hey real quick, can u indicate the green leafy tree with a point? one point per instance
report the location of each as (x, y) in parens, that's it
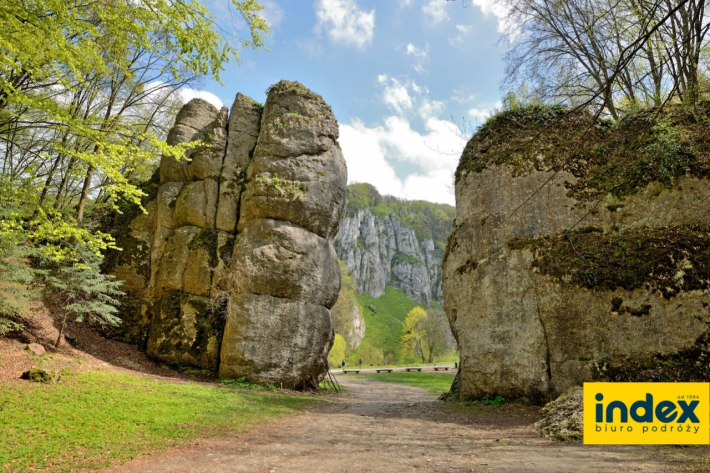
(337, 352)
(425, 334)
(78, 88)
(83, 292)
(412, 339)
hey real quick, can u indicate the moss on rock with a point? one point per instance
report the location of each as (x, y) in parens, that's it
(668, 260)
(689, 365)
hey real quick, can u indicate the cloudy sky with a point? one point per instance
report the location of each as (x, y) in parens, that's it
(402, 77)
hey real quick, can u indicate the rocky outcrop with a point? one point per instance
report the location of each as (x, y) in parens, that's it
(563, 418)
(381, 251)
(233, 263)
(348, 318)
(552, 279)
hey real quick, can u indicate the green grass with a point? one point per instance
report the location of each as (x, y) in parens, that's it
(92, 420)
(436, 383)
(383, 328)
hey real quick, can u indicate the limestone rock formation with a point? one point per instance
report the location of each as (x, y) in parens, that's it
(233, 266)
(348, 319)
(552, 279)
(285, 275)
(382, 250)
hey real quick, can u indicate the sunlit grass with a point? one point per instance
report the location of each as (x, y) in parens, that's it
(91, 420)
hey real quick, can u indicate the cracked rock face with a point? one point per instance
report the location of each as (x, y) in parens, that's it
(234, 266)
(285, 274)
(527, 335)
(381, 251)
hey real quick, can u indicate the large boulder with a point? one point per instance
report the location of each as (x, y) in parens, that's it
(571, 263)
(563, 418)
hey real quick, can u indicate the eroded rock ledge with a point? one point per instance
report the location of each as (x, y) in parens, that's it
(233, 267)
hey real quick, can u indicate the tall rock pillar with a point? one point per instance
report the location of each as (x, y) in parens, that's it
(284, 274)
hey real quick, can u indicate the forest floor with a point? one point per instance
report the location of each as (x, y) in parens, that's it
(383, 427)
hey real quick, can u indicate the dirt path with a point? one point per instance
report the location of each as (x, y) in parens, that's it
(382, 427)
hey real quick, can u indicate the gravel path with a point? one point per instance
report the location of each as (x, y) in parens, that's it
(382, 427)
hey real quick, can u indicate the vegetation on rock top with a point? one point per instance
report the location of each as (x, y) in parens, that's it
(618, 158)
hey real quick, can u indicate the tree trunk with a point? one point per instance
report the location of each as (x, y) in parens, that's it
(61, 330)
(431, 353)
(84, 194)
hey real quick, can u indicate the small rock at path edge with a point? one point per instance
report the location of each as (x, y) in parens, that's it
(36, 349)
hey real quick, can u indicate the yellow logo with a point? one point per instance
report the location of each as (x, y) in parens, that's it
(646, 413)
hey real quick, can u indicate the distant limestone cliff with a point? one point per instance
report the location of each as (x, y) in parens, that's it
(384, 241)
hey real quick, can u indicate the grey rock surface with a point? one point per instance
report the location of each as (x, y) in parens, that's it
(285, 275)
(381, 251)
(525, 335)
(241, 233)
(563, 418)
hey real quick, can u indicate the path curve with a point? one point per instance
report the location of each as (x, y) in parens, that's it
(383, 427)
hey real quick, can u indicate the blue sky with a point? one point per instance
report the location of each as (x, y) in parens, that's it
(399, 74)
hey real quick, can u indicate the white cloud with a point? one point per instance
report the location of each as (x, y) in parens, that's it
(460, 95)
(407, 99)
(431, 108)
(415, 51)
(272, 13)
(436, 10)
(396, 95)
(498, 9)
(420, 56)
(371, 151)
(405, 3)
(479, 114)
(345, 22)
(461, 32)
(188, 94)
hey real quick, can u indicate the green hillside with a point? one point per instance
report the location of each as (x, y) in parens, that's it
(383, 326)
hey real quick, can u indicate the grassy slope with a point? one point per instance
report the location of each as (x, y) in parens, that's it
(437, 383)
(384, 329)
(385, 326)
(91, 420)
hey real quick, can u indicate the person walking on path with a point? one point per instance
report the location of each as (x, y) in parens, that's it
(360, 361)
(343, 364)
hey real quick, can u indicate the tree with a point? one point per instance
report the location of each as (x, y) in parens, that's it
(81, 290)
(87, 92)
(618, 54)
(337, 352)
(425, 334)
(83, 85)
(412, 339)
(435, 334)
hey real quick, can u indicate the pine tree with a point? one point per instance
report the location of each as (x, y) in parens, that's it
(83, 291)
